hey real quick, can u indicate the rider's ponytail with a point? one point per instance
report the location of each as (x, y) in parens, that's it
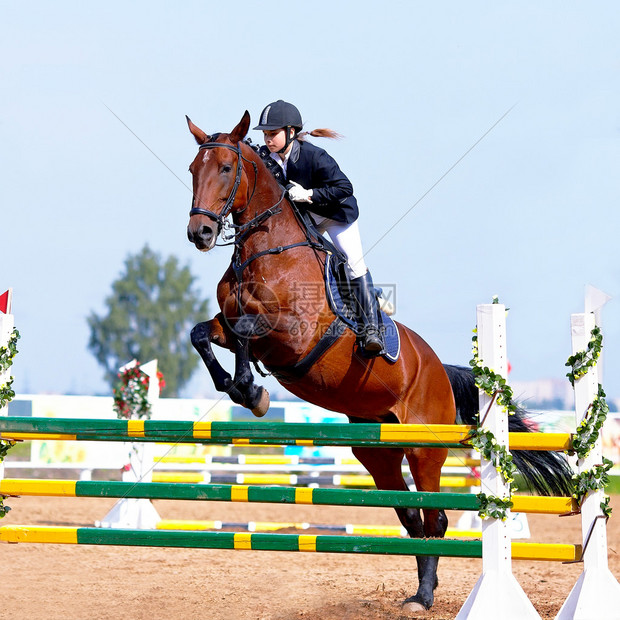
(320, 133)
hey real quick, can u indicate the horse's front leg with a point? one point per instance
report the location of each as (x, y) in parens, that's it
(202, 336)
(241, 389)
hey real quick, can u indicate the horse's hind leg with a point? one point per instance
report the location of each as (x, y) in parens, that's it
(425, 465)
(385, 466)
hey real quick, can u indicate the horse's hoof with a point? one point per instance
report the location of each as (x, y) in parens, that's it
(263, 404)
(412, 607)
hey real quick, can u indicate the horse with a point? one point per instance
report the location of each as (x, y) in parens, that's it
(270, 312)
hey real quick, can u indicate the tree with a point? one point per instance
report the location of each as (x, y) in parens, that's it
(151, 310)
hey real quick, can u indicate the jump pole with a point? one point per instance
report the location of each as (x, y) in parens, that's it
(497, 591)
(596, 594)
(366, 435)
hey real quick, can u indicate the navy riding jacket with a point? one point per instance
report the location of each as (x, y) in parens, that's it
(313, 168)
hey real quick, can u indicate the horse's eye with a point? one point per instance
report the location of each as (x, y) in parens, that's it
(225, 169)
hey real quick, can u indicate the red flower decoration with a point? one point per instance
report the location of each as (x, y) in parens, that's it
(131, 393)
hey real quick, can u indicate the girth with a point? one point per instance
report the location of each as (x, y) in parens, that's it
(289, 374)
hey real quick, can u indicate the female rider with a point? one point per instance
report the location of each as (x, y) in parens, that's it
(317, 185)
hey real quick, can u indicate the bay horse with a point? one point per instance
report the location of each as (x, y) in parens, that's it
(269, 312)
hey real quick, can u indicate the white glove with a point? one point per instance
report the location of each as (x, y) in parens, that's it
(298, 194)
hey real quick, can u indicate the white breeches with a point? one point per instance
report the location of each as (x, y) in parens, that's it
(346, 237)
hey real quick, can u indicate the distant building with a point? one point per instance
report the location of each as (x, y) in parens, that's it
(550, 394)
(544, 393)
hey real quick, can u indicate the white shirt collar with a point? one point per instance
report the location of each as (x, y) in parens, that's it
(283, 162)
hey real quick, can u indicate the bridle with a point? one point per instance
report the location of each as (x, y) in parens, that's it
(221, 217)
(240, 230)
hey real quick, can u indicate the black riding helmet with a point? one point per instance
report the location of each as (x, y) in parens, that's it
(280, 115)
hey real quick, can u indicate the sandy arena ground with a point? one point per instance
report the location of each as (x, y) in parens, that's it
(90, 582)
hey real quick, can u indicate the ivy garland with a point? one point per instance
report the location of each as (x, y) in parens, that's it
(485, 443)
(7, 394)
(494, 507)
(131, 394)
(582, 361)
(3, 509)
(495, 386)
(593, 480)
(5, 446)
(589, 429)
(7, 353)
(605, 507)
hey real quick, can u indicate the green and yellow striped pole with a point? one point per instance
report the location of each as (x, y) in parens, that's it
(277, 542)
(274, 495)
(261, 433)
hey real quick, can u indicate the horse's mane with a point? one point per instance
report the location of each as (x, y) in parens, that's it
(320, 133)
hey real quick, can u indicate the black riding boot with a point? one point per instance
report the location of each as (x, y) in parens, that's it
(364, 293)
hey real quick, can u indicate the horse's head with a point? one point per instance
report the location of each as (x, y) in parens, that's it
(220, 183)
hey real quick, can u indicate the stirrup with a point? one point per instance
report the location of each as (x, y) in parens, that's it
(372, 343)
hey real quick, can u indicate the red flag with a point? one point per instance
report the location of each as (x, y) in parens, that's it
(5, 302)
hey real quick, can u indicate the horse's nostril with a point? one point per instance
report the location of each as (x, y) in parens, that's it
(201, 237)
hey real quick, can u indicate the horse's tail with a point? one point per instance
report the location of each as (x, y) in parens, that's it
(545, 472)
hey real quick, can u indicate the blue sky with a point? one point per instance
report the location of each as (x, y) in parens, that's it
(530, 214)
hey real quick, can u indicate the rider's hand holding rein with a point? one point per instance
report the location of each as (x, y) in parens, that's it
(298, 194)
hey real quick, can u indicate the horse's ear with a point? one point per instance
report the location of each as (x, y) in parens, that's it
(241, 130)
(199, 134)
